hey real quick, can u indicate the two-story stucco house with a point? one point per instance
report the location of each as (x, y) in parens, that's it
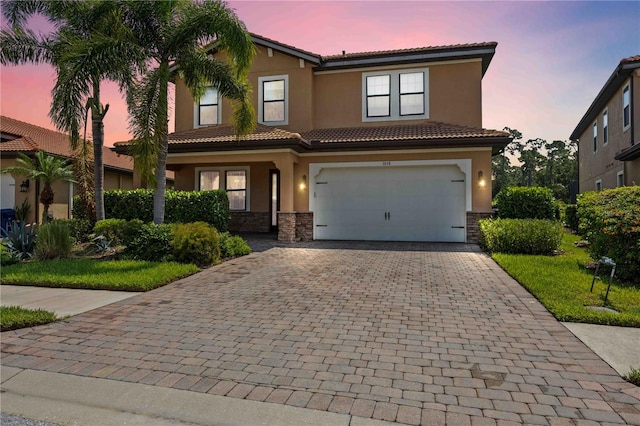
(608, 135)
(361, 146)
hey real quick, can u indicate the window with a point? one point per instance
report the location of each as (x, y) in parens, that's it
(207, 113)
(605, 127)
(273, 105)
(412, 93)
(395, 95)
(234, 180)
(595, 137)
(620, 178)
(626, 108)
(378, 96)
(599, 185)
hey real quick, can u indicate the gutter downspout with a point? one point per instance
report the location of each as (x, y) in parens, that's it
(37, 202)
(632, 112)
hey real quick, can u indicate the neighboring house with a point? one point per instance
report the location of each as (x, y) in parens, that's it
(358, 146)
(18, 136)
(608, 134)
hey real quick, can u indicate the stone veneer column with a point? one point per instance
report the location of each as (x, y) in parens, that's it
(473, 228)
(295, 226)
(304, 226)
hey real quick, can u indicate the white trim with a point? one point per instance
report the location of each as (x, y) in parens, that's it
(394, 95)
(605, 127)
(598, 183)
(619, 175)
(301, 62)
(397, 67)
(464, 164)
(262, 80)
(196, 112)
(223, 180)
(628, 88)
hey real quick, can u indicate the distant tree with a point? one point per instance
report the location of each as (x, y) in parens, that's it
(45, 168)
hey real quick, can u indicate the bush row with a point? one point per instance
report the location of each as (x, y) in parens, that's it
(610, 221)
(526, 203)
(211, 207)
(520, 236)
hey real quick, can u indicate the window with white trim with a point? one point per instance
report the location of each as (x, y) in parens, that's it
(620, 178)
(234, 180)
(626, 108)
(599, 185)
(595, 137)
(605, 127)
(207, 110)
(395, 95)
(273, 100)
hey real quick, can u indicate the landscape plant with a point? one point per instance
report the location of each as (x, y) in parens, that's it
(197, 243)
(153, 243)
(111, 229)
(520, 236)
(20, 239)
(526, 203)
(233, 246)
(54, 241)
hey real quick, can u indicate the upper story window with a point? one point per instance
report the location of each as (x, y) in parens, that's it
(595, 137)
(395, 95)
(273, 103)
(626, 108)
(605, 127)
(207, 110)
(233, 180)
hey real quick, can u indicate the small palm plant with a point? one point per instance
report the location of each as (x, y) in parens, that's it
(46, 168)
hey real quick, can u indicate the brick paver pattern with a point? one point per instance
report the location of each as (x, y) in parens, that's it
(414, 333)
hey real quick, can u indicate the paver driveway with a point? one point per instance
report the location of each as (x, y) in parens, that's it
(413, 333)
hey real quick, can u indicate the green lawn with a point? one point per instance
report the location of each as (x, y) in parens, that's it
(561, 284)
(122, 275)
(14, 317)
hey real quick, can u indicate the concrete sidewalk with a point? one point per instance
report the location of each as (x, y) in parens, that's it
(67, 399)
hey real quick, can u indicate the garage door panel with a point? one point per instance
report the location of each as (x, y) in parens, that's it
(416, 203)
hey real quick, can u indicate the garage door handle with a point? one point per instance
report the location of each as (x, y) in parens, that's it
(458, 227)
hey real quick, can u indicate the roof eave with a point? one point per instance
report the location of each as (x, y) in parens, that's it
(289, 50)
(619, 75)
(238, 145)
(629, 154)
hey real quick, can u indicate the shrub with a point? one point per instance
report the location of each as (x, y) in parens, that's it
(520, 236)
(131, 230)
(197, 243)
(610, 221)
(54, 241)
(233, 246)
(525, 203)
(111, 229)
(8, 258)
(211, 207)
(571, 217)
(151, 244)
(79, 229)
(20, 239)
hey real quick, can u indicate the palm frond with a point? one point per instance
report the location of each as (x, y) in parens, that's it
(20, 46)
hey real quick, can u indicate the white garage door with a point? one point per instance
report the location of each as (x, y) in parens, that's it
(407, 203)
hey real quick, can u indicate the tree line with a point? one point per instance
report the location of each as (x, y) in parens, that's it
(552, 165)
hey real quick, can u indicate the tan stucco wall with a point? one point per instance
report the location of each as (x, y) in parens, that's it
(115, 180)
(602, 164)
(454, 96)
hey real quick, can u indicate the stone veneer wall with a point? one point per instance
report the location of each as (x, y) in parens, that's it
(295, 226)
(473, 228)
(250, 222)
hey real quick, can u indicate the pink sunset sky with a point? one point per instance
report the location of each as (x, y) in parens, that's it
(551, 61)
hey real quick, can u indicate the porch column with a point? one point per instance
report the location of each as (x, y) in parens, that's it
(286, 215)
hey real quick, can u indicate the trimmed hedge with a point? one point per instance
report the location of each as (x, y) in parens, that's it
(571, 217)
(211, 207)
(111, 229)
(526, 202)
(151, 243)
(520, 236)
(610, 221)
(196, 242)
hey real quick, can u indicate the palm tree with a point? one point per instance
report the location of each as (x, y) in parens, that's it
(174, 34)
(88, 45)
(46, 168)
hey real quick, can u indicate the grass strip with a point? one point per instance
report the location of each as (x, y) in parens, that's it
(14, 317)
(561, 283)
(121, 275)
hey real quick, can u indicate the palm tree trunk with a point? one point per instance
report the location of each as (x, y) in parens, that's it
(97, 129)
(163, 141)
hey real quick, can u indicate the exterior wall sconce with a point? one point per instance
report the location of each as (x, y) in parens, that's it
(303, 183)
(24, 186)
(482, 182)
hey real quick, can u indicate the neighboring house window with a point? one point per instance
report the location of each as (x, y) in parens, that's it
(236, 187)
(395, 95)
(273, 106)
(233, 180)
(412, 93)
(599, 185)
(595, 137)
(605, 127)
(620, 178)
(626, 108)
(378, 96)
(208, 111)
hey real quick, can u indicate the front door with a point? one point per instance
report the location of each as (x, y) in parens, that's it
(274, 198)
